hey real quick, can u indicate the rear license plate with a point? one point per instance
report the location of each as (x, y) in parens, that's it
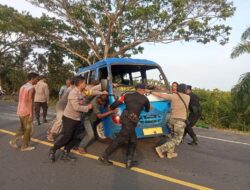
(152, 131)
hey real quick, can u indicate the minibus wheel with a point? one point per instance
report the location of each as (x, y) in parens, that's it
(99, 133)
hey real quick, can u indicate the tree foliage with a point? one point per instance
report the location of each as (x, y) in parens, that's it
(20, 36)
(241, 93)
(218, 110)
(15, 46)
(14, 32)
(58, 70)
(117, 28)
(243, 46)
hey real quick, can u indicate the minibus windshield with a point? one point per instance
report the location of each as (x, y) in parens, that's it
(125, 77)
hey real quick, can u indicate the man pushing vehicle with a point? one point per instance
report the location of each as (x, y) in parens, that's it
(135, 103)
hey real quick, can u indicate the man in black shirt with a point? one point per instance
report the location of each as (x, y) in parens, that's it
(194, 115)
(135, 103)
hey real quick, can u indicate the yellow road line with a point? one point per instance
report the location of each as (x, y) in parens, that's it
(136, 169)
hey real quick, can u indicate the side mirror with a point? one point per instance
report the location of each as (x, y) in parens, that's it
(104, 84)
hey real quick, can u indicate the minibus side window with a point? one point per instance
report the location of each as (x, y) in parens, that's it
(103, 73)
(92, 77)
(86, 77)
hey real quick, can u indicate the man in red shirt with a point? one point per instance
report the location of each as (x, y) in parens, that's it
(25, 113)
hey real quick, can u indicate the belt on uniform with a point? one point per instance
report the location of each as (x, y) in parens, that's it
(131, 116)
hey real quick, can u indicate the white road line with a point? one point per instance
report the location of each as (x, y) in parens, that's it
(224, 140)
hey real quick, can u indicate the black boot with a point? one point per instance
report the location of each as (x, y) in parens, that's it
(44, 119)
(105, 161)
(131, 163)
(52, 155)
(38, 122)
(67, 156)
(194, 141)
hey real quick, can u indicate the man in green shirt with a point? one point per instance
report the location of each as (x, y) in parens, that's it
(90, 119)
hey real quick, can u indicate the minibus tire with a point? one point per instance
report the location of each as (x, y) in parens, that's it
(100, 137)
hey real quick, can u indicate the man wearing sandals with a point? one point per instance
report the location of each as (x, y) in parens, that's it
(25, 113)
(180, 102)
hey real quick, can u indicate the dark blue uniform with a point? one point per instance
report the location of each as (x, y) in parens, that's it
(194, 115)
(135, 103)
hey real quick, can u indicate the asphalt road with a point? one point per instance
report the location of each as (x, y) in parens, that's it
(220, 161)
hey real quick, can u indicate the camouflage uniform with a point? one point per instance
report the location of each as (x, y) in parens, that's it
(177, 129)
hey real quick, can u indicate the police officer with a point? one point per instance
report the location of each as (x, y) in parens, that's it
(135, 103)
(194, 115)
(70, 121)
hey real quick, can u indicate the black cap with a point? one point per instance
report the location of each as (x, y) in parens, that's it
(140, 86)
(182, 88)
(189, 87)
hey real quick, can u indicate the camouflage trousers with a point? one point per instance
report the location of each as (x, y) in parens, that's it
(177, 130)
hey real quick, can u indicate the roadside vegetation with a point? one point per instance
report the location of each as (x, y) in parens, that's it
(219, 109)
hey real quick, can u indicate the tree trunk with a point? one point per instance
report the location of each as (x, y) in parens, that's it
(106, 51)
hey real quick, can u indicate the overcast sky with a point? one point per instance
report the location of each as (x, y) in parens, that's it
(203, 66)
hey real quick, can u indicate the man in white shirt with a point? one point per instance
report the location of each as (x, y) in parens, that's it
(41, 99)
(64, 88)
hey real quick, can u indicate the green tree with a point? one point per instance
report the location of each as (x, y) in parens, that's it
(117, 28)
(241, 92)
(20, 36)
(243, 46)
(219, 110)
(12, 68)
(41, 63)
(13, 30)
(216, 107)
(241, 98)
(15, 45)
(58, 70)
